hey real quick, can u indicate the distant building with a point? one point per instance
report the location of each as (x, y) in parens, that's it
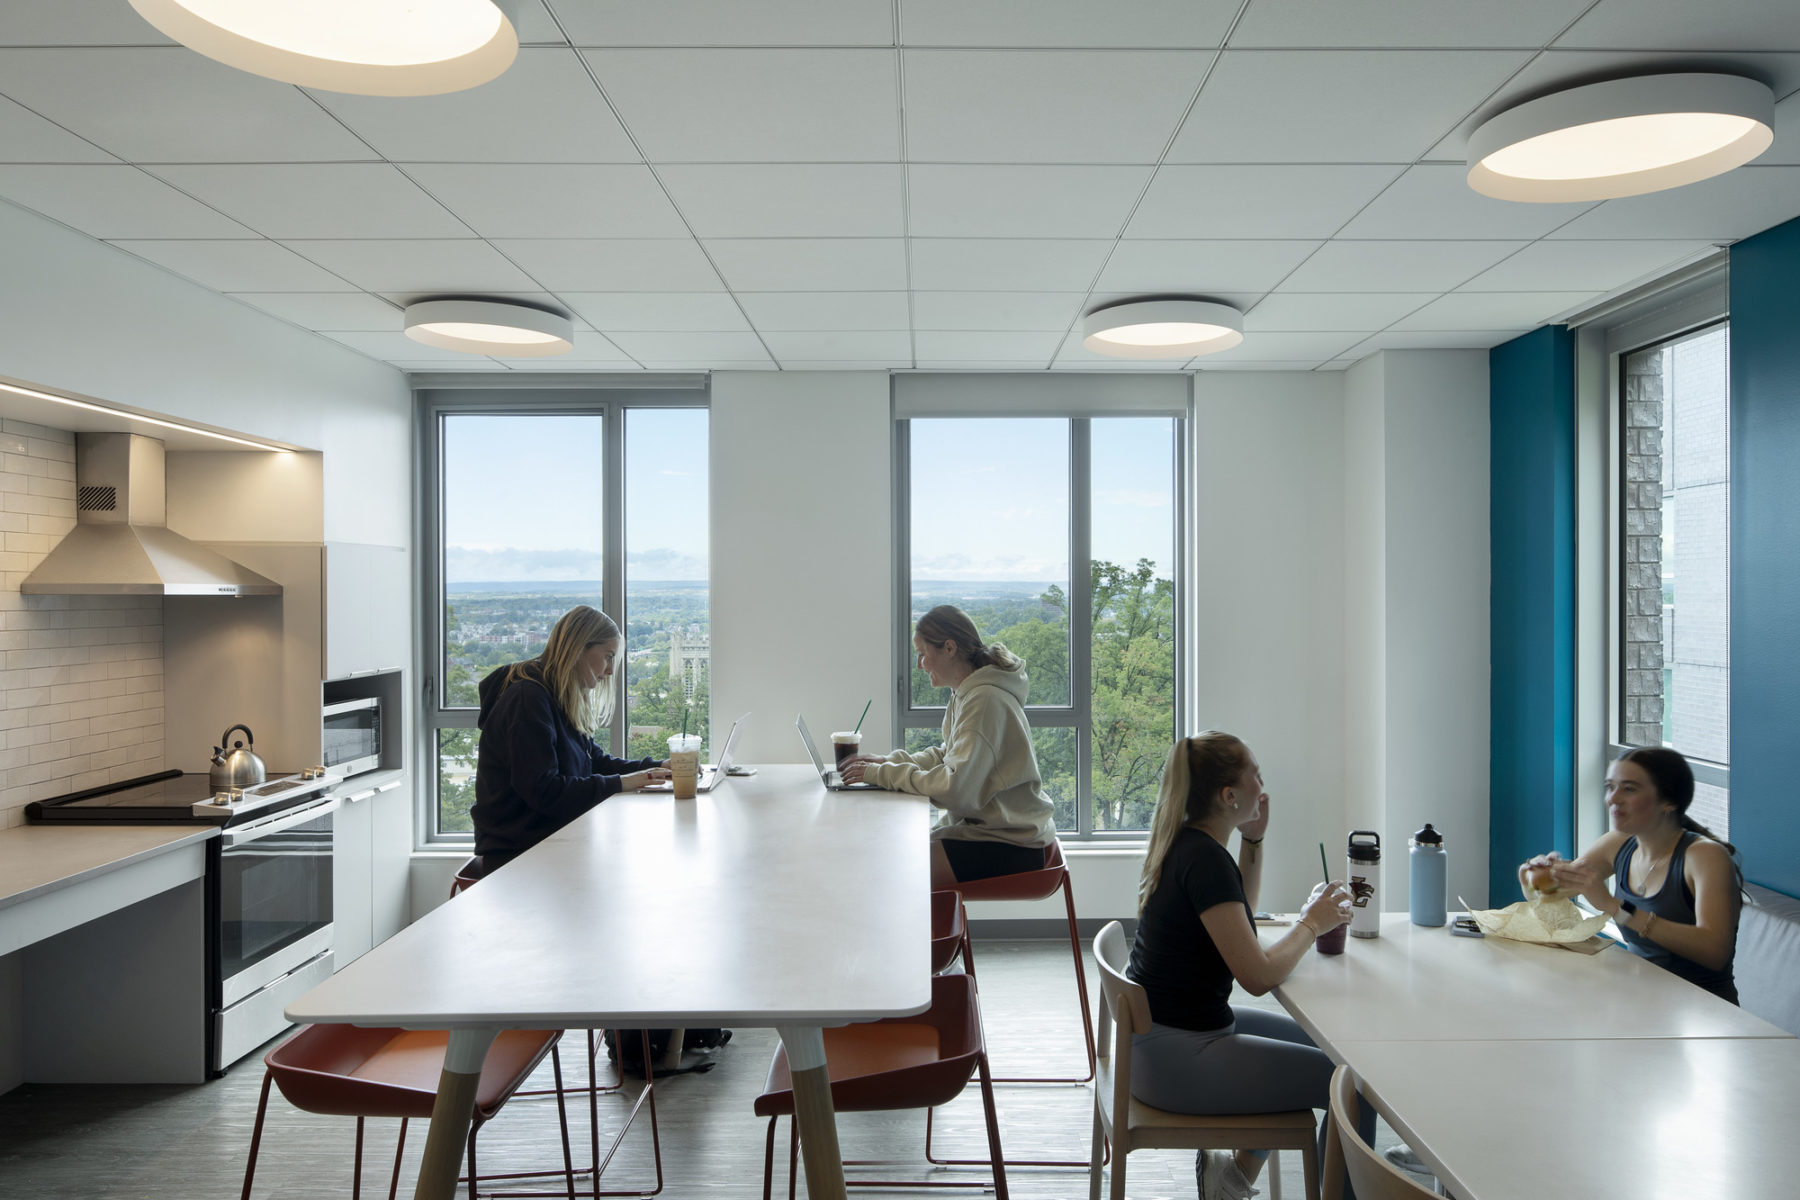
(690, 655)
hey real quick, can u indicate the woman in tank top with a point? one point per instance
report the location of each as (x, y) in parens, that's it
(1678, 889)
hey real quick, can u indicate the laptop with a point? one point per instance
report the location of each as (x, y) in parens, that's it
(710, 773)
(828, 776)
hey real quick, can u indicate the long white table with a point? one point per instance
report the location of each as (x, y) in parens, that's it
(767, 902)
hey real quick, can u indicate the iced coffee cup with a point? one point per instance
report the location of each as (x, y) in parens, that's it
(1333, 942)
(684, 764)
(845, 746)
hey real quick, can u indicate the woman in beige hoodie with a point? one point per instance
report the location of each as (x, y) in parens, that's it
(992, 816)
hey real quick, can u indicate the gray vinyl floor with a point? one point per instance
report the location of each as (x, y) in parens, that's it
(190, 1143)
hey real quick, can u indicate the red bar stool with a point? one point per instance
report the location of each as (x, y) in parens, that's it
(901, 1062)
(949, 931)
(346, 1071)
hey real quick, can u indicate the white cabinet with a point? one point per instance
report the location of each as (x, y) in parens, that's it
(368, 609)
(372, 841)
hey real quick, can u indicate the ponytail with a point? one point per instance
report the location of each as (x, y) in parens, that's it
(1197, 770)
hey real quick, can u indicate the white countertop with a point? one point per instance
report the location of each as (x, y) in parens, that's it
(37, 859)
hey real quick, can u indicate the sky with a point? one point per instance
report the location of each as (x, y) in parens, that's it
(990, 498)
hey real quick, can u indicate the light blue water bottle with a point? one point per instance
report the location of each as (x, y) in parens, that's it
(1429, 877)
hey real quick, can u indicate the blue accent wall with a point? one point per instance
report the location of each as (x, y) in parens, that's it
(1531, 522)
(1765, 555)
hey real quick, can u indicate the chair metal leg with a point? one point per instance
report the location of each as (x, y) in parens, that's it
(769, 1158)
(1087, 1016)
(793, 1155)
(993, 1127)
(356, 1179)
(262, 1109)
(399, 1154)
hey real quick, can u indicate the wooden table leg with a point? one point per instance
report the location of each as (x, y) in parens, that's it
(813, 1114)
(451, 1113)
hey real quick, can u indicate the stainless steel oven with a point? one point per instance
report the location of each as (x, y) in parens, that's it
(272, 921)
(352, 736)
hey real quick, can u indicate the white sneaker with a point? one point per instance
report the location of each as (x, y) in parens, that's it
(1219, 1178)
(1403, 1157)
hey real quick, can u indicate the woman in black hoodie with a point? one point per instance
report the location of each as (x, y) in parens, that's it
(538, 767)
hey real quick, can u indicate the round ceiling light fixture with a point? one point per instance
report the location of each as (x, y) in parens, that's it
(1623, 137)
(1162, 329)
(497, 327)
(367, 47)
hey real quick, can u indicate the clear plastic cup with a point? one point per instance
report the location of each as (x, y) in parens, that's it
(845, 745)
(1333, 942)
(684, 764)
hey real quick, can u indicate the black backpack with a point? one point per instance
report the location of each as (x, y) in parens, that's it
(626, 1047)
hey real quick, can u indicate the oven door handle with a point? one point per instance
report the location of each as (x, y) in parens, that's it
(249, 833)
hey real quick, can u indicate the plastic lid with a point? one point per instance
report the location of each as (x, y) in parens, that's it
(1365, 851)
(1428, 836)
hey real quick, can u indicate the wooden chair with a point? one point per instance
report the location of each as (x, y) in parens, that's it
(347, 1071)
(1372, 1176)
(1134, 1125)
(901, 1062)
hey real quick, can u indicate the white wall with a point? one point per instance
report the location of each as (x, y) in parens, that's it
(801, 556)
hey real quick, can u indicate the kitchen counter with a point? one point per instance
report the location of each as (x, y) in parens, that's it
(38, 859)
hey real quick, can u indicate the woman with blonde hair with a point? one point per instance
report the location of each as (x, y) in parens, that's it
(1196, 937)
(992, 818)
(538, 766)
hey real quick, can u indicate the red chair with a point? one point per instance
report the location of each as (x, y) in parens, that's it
(467, 876)
(949, 930)
(346, 1071)
(901, 1062)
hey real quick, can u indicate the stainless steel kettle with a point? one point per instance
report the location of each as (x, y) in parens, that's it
(238, 767)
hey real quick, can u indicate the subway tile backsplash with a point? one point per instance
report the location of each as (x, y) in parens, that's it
(81, 677)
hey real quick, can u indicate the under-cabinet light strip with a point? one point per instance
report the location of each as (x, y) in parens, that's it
(34, 394)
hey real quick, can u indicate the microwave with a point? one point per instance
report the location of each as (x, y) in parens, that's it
(352, 741)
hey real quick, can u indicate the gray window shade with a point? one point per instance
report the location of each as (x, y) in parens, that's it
(1042, 394)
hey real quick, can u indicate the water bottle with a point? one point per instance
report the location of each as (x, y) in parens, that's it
(1428, 877)
(1365, 883)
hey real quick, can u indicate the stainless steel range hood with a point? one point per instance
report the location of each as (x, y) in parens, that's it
(120, 545)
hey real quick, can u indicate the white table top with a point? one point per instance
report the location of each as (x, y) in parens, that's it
(768, 901)
(1417, 984)
(1655, 1120)
(35, 859)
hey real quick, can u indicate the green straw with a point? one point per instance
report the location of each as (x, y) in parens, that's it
(1322, 866)
(688, 711)
(865, 712)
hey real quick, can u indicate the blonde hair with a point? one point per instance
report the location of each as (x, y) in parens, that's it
(575, 633)
(948, 623)
(1198, 769)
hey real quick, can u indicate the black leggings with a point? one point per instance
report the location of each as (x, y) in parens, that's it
(972, 860)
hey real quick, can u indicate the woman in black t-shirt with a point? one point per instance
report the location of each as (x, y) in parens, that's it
(1196, 938)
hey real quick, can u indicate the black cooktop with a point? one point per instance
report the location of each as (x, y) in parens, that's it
(171, 796)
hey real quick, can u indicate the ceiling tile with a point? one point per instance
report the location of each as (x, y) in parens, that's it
(339, 311)
(1022, 201)
(1071, 353)
(590, 347)
(182, 107)
(1436, 201)
(810, 264)
(1568, 266)
(114, 202)
(765, 363)
(1039, 311)
(756, 105)
(674, 348)
(533, 23)
(1683, 25)
(552, 200)
(1176, 23)
(802, 311)
(26, 137)
(957, 364)
(789, 199)
(1242, 301)
(1006, 264)
(1201, 267)
(728, 22)
(973, 347)
(76, 23)
(237, 266)
(1323, 311)
(1314, 347)
(614, 264)
(1786, 148)
(1443, 339)
(1288, 105)
(472, 363)
(544, 108)
(665, 312)
(1255, 201)
(1723, 208)
(1518, 311)
(1047, 106)
(570, 364)
(422, 266)
(883, 345)
(318, 200)
(847, 364)
(1213, 363)
(1395, 266)
(1527, 23)
(395, 345)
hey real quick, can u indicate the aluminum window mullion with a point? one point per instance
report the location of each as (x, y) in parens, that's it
(612, 587)
(1081, 617)
(902, 576)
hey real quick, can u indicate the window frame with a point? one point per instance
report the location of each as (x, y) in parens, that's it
(1078, 713)
(443, 400)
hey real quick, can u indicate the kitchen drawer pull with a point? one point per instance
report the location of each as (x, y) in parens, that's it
(389, 786)
(359, 797)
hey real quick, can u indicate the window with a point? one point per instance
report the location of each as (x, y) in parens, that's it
(1674, 628)
(994, 510)
(541, 505)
